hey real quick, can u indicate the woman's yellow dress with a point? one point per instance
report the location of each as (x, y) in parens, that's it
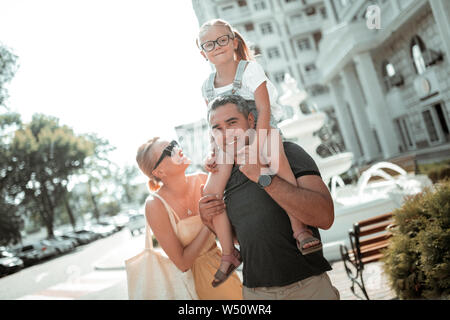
(208, 261)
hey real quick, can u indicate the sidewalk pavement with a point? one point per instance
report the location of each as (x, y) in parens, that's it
(376, 281)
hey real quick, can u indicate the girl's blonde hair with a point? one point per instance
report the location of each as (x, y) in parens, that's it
(145, 164)
(243, 52)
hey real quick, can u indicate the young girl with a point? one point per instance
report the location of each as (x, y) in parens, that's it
(235, 73)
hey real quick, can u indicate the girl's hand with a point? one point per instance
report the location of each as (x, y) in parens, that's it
(210, 163)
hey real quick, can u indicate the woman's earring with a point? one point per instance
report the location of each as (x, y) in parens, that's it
(206, 59)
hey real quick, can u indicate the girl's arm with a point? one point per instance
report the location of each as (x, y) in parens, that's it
(158, 220)
(262, 102)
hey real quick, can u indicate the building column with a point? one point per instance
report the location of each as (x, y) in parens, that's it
(331, 12)
(345, 123)
(441, 13)
(378, 109)
(357, 106)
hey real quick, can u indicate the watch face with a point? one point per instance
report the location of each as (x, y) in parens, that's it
(264, 180)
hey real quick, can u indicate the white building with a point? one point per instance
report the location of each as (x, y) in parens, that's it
(390, 83)
(284, 33)
(194, 140)
(387, 85)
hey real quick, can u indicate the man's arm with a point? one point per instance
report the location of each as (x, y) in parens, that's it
(310, 202)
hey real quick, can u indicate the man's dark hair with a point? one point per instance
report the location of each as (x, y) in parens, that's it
(241, 104)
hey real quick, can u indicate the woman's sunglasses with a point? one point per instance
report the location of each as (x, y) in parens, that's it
(167, 152)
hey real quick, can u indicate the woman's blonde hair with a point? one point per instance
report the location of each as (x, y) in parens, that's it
(145, 164)
(243, 52)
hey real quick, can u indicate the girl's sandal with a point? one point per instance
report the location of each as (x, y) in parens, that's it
(235, 261)
(301, 244)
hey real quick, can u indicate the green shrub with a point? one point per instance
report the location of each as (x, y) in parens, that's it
(417, 260)
(436, 171)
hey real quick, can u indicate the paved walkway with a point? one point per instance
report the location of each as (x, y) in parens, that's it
(376, 282)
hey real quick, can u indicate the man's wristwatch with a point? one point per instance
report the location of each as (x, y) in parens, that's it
(265, 180)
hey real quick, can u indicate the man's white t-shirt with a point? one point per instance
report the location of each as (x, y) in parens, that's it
(252, 78)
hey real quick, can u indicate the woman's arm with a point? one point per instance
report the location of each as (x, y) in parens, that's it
(158, 220)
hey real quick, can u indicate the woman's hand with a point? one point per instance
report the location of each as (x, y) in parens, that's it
(209, 206)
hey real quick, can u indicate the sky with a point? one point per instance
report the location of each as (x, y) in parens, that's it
(126, 70)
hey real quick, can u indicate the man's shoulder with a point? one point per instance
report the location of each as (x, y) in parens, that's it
(294, 150)
(300, 161)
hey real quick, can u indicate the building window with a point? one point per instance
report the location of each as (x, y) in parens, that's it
(227, 8)
(266, 28)
(429, 124)
(323, 12)
(310, 11)
(273, 53)
(260, 5)
(390, 76)
(417, 50)
(297, 18)
(256, 51)
(279, 76)
(249, 27)
(311, 67)
(242, 3)
(304, 44)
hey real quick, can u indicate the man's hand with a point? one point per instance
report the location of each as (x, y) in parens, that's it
(209, 206)
(250, 164)
(210, 164)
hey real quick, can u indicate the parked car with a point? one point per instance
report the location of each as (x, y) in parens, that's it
(49, 248)
(34, 252)
(9, 263)
(136, 223)
(62, 245)
(104, 230)
(83, 236)
(74, 240)
(121, 220)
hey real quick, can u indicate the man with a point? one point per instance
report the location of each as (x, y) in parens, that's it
(257, 206)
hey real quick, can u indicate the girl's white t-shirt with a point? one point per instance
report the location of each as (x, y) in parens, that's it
(252, 78)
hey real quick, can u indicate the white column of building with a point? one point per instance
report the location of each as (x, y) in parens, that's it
(441, 13)
(376, 103)
(330, 12)
(285, 43)
(345, 123)
(357, 106)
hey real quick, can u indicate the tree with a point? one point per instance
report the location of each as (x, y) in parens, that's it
(99, 170)
(11, 221)
(43, 156)
(8, 68)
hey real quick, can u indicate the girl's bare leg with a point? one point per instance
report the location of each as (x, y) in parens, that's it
(216, 185)
(285, 172)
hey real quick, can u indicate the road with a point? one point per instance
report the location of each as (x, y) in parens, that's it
(93, 271)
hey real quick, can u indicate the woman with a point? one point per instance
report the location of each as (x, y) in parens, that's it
(172, 214)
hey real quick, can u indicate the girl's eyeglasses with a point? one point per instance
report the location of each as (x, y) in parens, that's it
(167, 152)
(209, 46)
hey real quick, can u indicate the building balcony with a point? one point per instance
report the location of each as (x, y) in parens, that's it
(311, 78)
(253, 37)
(306, 56)
(321, 102)
(306, 25)
(294, 5)
(395, 102)
(235, 14)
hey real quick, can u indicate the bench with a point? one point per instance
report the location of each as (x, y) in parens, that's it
(367, 240)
